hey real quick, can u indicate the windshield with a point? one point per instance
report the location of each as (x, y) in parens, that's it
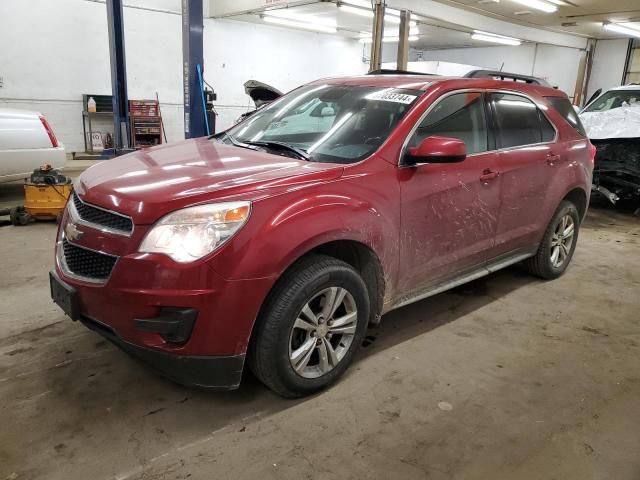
(326, 123)
(614, 99)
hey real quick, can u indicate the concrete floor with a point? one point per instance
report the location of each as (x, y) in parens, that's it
(508, 377)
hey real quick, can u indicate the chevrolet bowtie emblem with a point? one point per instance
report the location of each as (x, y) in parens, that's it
(72, 232)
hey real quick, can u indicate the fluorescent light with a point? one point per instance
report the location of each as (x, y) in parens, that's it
(291, 23)
(614, 27)
(538, 5)
(367, 12)
(389, 39)
(492, 37)
(289, 15)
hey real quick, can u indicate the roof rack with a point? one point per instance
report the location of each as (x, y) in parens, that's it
(389, 71)
(516, 77)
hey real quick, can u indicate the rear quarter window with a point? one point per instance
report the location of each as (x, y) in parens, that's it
(563, 106)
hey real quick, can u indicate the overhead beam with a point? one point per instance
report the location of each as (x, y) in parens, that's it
(403, 40)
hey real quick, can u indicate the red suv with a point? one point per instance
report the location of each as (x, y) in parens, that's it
(281, 239)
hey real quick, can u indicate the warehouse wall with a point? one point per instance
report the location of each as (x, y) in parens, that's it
(70, 56)
(557, 65)
(236, 52)
(608, 64)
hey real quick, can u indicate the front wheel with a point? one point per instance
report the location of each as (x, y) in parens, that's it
(311, 327)
(558, 244)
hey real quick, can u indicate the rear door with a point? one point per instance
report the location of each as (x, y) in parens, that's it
(527, 157)
(449, 211)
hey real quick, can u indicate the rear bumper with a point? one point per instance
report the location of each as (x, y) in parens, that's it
(213, 373)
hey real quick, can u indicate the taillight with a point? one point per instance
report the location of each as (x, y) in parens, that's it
(47, 127)
(592, 151)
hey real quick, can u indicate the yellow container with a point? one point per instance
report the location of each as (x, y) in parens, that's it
(45, 202)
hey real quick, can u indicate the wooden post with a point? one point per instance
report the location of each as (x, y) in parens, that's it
(403, 40)
(377, 34)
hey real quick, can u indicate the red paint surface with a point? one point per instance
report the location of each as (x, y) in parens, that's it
(422, 222)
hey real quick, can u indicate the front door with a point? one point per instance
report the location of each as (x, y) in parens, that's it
(449, 211)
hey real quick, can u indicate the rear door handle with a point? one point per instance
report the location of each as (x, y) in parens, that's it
(488, 175)
(552, 158)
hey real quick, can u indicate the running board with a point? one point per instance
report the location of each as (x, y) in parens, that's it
(456, 282)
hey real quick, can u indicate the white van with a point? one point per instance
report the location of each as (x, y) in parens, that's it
(26, 142)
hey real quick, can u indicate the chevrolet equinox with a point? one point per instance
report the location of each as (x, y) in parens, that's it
(279, 240)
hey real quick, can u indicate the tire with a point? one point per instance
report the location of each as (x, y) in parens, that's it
(543, 264)
(285, 331)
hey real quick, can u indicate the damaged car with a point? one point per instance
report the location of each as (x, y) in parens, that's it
(612, 122)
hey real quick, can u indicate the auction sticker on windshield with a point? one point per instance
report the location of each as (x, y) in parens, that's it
(387, 96)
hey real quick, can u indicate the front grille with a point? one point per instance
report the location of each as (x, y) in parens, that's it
(101, 217)
(87, 263)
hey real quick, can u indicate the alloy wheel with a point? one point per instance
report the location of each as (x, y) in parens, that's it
(323, 332)
(562, 240)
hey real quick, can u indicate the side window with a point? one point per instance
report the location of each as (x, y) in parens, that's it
(563, 106)
(548, 132)
(519, 121)
(460, 115)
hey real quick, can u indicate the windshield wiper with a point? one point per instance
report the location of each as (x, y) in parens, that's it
(269, 144)
(283, 146)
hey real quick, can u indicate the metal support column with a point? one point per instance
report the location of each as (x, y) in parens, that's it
(192, 66)
(403, 40)
(377, 34)
(118, 74)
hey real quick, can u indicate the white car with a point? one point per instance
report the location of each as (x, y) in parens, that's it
(26, 142)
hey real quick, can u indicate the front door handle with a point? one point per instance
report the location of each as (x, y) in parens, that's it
(488, 175)
(552, 158)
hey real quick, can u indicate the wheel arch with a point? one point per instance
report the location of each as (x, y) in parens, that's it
(353, 252)
(580, 199)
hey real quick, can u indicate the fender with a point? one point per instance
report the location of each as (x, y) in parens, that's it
(283, 228)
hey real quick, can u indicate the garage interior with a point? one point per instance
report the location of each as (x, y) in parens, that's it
(508, 376)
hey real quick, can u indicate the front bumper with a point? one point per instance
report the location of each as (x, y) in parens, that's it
(203, 372)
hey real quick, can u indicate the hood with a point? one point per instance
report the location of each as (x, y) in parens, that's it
(150, 183)
(261, 93)
(621, 122)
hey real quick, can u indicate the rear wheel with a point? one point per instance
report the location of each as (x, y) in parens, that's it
(312, 325)
(558, 244)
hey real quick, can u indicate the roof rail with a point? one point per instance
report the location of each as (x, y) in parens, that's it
(389, 71)
(516, 77)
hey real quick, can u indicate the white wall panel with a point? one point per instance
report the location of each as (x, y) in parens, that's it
(69, 55)
(237, 51)
(608, 64)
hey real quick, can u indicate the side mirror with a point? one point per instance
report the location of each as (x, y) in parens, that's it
(437, 150)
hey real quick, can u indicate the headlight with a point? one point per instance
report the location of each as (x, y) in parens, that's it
(191, 233)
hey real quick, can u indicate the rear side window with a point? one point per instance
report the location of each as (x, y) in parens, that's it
(461, 116)
(563, 106)
(519, 121)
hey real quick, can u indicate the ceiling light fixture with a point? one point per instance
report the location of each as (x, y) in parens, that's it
(294, 24)
(492, 37)
(538, 5)
(367, 12)
(614, 27)
(298, 17)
